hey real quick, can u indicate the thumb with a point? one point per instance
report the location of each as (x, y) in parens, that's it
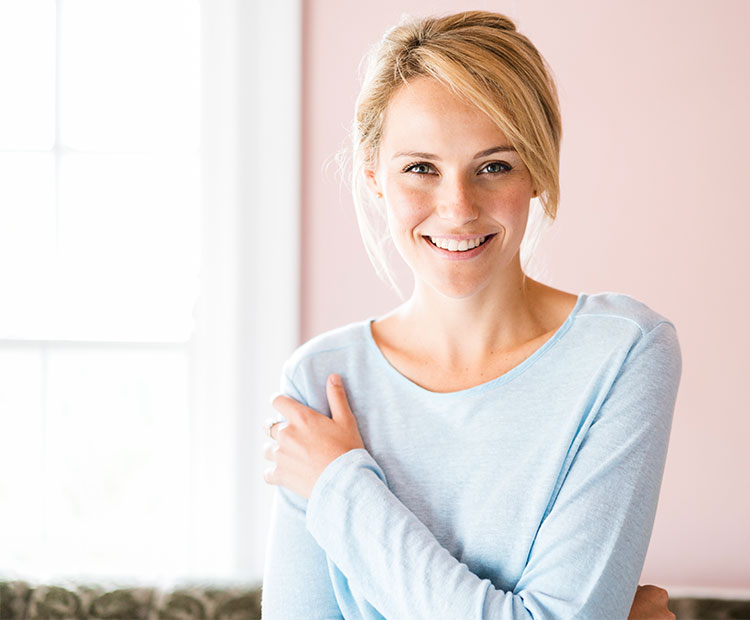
(337, 400)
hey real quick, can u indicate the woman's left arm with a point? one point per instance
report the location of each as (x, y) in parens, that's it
(588, 553)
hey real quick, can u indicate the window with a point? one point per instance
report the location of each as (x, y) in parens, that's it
(136, 356)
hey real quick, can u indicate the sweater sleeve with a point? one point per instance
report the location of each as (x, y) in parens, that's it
(590, 547)
(296, 581)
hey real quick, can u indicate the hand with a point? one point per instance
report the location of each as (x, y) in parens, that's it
(308, 441)
(650, 603)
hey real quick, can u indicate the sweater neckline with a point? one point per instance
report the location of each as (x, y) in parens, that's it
(487, 385)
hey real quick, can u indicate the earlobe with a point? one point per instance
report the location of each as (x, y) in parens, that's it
(372, 184)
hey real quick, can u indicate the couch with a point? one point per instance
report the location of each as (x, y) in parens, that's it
(20, 600)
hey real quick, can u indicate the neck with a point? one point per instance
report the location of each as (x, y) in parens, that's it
(466, 332)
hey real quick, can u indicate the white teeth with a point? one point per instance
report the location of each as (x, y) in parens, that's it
(457, 246)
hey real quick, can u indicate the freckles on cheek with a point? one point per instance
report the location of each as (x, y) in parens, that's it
(511, 202)
(408, 203)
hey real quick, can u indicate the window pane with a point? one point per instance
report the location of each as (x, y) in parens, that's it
(130, 75)
(27, 239)
(127, 263)
(21, 457)
(27, 215)
(129, 247)
(117, 436)
(27, 74)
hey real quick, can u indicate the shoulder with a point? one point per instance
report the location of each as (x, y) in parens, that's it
(643, 336)
(328, 352)
(621, 312)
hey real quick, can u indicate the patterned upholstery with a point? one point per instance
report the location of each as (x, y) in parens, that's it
(710, 608)
(22, 601)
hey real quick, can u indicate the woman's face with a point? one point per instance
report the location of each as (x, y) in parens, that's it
(450, 178)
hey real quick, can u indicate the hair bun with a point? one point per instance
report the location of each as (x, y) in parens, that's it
(487, 20)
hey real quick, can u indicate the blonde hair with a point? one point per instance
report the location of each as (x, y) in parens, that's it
(484, 60)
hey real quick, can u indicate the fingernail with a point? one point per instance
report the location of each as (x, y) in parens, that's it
(335, 380)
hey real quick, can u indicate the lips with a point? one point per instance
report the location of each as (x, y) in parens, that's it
(457, 244)
(450, 247)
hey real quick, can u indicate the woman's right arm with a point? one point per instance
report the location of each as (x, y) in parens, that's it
(296, 581)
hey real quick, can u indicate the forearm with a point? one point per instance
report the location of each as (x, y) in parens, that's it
(390, 556)
(585, 562)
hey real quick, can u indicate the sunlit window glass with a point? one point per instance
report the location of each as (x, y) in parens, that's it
(27, 74)
(129, 75)
(100, 258)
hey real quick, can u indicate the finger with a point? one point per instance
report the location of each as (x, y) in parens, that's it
(277, 429)
(269, 475)
(288, 407)
(270, 448)
(337, 400)
(268, 423)
(272, 426)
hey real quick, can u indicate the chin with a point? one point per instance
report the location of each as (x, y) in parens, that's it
(458, 288)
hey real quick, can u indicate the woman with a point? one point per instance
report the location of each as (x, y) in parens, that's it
(492, 448)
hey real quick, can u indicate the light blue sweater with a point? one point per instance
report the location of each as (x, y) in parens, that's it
(531, 495)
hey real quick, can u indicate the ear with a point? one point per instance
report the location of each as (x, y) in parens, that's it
(371, 180)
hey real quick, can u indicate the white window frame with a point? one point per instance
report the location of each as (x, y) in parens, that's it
(249, 310)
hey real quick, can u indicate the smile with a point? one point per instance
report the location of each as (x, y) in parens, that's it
(459, 249)
(455, 245)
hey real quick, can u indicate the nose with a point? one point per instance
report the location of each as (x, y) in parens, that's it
(455, 202)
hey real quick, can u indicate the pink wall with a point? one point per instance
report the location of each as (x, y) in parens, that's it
(655, 99)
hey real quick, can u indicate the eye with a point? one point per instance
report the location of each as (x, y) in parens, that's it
(419, 168)
(497, 167)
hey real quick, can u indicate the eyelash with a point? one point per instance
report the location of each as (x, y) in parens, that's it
(507, 167)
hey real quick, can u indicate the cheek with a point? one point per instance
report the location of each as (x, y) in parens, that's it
(407, 207)
(516, 218)
(509, 204)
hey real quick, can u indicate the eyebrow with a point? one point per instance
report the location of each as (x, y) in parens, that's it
(480, 154)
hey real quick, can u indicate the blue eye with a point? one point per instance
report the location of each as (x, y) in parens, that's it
(419, 168)
(497, 167)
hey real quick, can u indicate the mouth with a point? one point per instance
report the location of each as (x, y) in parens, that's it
(459, 249)
(458, 245)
